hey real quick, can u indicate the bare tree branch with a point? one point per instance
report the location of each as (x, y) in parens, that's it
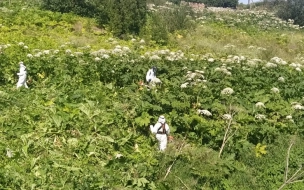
(295, 176)
(182, 182)
(287, 161)
(228, 133)
(296, 181)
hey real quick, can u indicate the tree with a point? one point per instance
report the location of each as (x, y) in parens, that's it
(292, 9)
(89, 8)
(126, 16)
(177, 2)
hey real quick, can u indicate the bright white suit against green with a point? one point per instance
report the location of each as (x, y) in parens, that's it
(22, 76)
(162, 130)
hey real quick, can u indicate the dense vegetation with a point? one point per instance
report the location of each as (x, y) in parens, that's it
(231, 92)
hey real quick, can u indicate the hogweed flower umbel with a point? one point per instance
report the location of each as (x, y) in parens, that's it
(260, 105)
(298, 107)
(227, 91)
(184, 85)
(289, 117)
(275, 90)
(204, 112)
(260, 116)
(227, 117)
(281, 79)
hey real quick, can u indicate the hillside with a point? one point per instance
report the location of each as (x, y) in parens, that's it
(232, 93)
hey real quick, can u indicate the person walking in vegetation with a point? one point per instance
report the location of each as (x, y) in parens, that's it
(151, 78)
(22, 76)
(162, 130)
(151, 74)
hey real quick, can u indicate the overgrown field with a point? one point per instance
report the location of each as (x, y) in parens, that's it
(232, 92)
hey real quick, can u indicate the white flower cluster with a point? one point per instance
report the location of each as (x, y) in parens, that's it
(297, 66)
(281, 79)
(264, 19)
(197, 74)
(194, 78)
(68, 51)
(184, 85)
(260, 116)
(253, 62)
(256, 47)
(227, 91)
(227, 117)
(223, 69)
(289, 118)
(208, 57)
(78, 54)
(155, 57)
(275, 90)
(298, 69)
(101, 53)
(210, 60)
(4, 46)
(204, 112)
(278, 60)
(38, 54)
(9, 153)
(118, 155)
(298, 106)
(234, 59)
(260, 105)
(271, 65)
(121, 51)
(166, 54)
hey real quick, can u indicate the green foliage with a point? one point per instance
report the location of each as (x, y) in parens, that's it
(292, 9)
(92, 8)
(126, 17)
(217, 3)
(177, 2)
(155, 29)
(163, 22)
(84, 121)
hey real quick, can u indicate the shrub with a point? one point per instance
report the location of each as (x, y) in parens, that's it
(126, 17)
(217, 3)
(292, 9)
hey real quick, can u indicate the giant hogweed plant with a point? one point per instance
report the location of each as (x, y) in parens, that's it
(77, 118)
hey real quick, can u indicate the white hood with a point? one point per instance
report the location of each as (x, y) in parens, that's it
(22, 67)
(162, 119)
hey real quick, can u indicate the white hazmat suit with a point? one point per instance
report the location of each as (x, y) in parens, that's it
(151, 74)
(22, 76)
(162, 130)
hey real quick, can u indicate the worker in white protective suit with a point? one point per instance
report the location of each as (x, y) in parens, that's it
(151, 74)
(22, 76)
(151, 77)
(162, 130)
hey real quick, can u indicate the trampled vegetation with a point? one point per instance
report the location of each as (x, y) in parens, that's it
(232, 92)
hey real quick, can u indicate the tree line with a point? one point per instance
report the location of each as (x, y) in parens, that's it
(124, 17)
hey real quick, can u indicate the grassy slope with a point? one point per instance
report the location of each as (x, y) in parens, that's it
(207, 38)
(213, 37)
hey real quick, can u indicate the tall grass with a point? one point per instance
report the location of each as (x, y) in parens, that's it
(210, 38)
